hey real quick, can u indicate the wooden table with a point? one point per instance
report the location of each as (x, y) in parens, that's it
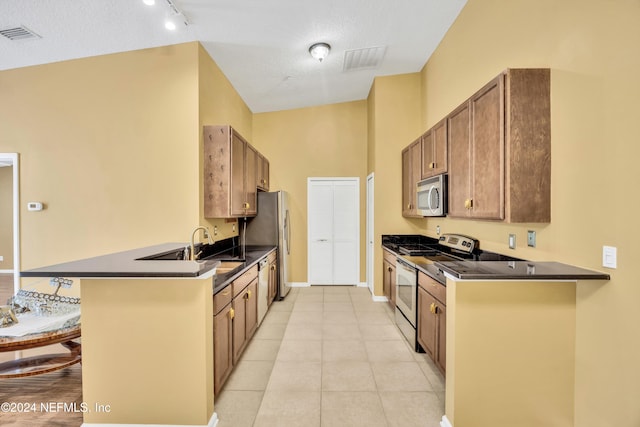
(40, 364)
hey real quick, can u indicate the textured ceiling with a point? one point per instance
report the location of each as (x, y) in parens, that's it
(260, 45)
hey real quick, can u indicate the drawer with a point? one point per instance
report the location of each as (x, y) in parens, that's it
(436, 289)
(221, 299)
(272, 257)
(243, 281)
(389, 257)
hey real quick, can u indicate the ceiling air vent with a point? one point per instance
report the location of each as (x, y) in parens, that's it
(19, 33)
(363, 59)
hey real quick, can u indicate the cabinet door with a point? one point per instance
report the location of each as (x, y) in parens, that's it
(265, 173)
(239, 328)
(406, 182)
(428, 150)
(386, 279)
(440, 160)
(441, 352)
(416, 172)
(238, 147)
(251, 309)
(426, 322)
(459, 161)
(487, 157)
(222, 347)
(273, 280)
(251, 191)
(392, 287)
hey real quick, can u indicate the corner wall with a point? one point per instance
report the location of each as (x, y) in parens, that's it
(325, 141)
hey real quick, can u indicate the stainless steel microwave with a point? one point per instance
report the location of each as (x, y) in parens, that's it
(432, 196)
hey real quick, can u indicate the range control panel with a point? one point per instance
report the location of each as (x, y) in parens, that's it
(459, 242)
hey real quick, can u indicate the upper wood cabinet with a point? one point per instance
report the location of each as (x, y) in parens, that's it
(434, 150)
(262, 175)
(411, 174)
(500, 150)
(232, 169)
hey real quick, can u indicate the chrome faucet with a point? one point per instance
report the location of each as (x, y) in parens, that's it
(192, 253)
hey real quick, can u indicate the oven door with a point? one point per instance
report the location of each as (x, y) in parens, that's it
(406, 291)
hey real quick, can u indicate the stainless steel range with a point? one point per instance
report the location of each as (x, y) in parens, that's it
(450, 247)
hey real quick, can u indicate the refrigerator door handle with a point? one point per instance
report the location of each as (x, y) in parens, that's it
(287, 231)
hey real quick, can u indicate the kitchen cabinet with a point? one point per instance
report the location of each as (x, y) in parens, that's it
(434, 150)
(389, 277)
(222, 338)
(432, 319)
(234, 323)
(229, 174)
(411, 174)
(262, 175)
(500, 150)
(273, 277)
(245, 306)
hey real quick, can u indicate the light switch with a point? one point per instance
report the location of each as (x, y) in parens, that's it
(609, 256)
(512, 241)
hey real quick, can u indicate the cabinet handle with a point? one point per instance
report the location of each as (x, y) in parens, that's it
(468, 204)
(409, 206)
(232, 313)
(273, 267)
(246, 205)
(248, 294)
(224, 294)
(432, 165)
(432, 307)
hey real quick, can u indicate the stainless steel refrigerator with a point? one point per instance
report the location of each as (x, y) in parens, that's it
(272, 226)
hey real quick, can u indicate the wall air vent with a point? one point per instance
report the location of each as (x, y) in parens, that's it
(19, 33)
(363, 59)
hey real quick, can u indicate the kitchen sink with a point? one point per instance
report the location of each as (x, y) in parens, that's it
(227, 266)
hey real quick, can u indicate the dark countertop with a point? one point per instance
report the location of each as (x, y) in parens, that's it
(128, 264)
(517, 270)
(253, 254)
(491, 267)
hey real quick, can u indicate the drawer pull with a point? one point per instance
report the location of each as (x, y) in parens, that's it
(232, 313)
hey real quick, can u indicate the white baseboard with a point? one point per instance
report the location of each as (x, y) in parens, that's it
(299, 284)
(6, 271)
(376, 298)
(445, 422)
(362, 285)
(213, 422)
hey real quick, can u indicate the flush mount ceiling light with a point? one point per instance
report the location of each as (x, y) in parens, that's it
(319, 50)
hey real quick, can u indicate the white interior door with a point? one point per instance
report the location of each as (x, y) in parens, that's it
(333, 224)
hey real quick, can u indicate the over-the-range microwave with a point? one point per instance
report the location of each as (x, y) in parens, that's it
(432, 196)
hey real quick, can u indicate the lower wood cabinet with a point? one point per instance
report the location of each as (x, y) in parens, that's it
(235, 321)
(432, 319)
(389, 277)
(272, 287)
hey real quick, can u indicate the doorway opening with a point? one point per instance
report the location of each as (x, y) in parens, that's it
(9, 226)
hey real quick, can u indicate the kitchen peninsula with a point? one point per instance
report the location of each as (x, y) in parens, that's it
(147, 333)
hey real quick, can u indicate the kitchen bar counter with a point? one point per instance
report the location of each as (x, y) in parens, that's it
(128, 264)
(517, 270)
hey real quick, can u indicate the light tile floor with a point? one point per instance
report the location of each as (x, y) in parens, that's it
(330, 356)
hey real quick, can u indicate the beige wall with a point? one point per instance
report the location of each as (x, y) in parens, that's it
(111, 145)
(327, 141)
(591, 48)
(394, 107)
(6, 217)
(219, 104)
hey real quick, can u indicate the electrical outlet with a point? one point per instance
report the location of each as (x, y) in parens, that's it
(531, 238)
(610, 256)
(233, 228)
(438, 230)
(1, 258)
(512, 241)
(215, 230)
